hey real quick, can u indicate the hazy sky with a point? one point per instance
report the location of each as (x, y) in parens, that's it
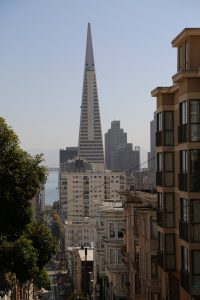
(42, 52)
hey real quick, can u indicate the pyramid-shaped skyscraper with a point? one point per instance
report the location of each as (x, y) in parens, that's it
(90, 145)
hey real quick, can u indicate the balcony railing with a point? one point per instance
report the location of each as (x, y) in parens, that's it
(159, 138)
(182, 133)
(182, 181)
(184, 231)
(159, 178)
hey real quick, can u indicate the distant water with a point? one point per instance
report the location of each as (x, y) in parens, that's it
(51, 188)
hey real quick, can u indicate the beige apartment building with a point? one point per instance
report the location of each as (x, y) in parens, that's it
(140, 246)
(110, 272)
(178, 173)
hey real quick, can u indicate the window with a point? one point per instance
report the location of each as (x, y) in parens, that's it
(112, 256)
(159, 121)
(195, 262)
(119, 256)
(160, 201)
(186, 55)
(195, 211)
(159, 129)
(183, 113)
(169, 209)
(159, 161)
(195, 120)
(154, 267)
(180, 56)
(169, 168)
(183, 161)
(170, 251)
(185, 262)
(195, 220)
(168, 128)
(111, 230)
(194, 170)
(184, 213)
(154, 230)
(120, 230)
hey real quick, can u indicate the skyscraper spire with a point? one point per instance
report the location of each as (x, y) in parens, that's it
(90, 138)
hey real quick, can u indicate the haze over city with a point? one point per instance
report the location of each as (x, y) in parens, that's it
(42, 61)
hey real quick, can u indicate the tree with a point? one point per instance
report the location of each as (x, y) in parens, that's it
(20, 179)
(25, 247)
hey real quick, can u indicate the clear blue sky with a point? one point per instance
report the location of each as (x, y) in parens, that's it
(42, 51)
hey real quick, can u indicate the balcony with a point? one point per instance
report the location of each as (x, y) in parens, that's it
(159, 178)
(159, 138)
(182, 180)
(184, 231)
(182, 133)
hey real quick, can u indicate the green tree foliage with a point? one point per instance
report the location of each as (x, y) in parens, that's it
(20, 179)
(25, 247)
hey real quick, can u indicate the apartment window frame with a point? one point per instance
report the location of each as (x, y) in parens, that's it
(186, 54)
(195, 220)
(112, 256)
(154, 267)
(159, 128)
(111, 230)
(194, 158)
(185, 259)
(168, 128)
(153, 228)
(168, 168)
(180, 58)
(183, 170)
(169, 212)
(194, 118)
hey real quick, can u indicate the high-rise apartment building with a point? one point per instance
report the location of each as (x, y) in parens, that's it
(178, 173)
(119, 154)
(82, 191)
(90, 146)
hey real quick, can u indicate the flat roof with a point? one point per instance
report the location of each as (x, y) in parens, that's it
(185, 33)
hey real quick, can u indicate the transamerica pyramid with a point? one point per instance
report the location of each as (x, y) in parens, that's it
(90, 145)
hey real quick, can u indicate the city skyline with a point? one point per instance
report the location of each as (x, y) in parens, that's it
(42, 58)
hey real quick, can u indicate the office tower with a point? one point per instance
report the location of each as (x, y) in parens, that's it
(178, 175)
(119, 154)
(114, 138)
(90, 146)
